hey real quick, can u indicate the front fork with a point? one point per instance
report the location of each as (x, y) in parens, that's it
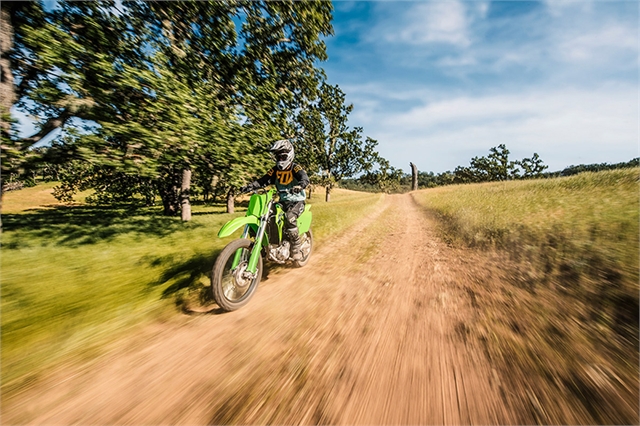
(255, 253)
(238, 256)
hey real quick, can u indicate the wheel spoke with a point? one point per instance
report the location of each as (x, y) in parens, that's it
(232, 288)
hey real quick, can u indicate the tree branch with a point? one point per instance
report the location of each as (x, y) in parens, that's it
(48, 127)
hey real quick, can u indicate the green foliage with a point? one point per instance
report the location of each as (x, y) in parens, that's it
(573, 170)
(431, 180)
(329, 148)
(494, 167)
(497, 167)
(155, 94)
(16, 17)
(385, 178)
(531, 167)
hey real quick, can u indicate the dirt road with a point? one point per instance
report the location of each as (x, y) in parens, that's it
(371, 331)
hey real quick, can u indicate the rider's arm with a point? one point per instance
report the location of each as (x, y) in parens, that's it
(301, 176)
(264, 180)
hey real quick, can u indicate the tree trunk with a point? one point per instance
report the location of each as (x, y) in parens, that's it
(230, 201)
(414, 177)
(169, 196)
(170, 208)
(185, 189)
(7, 93)
(327, 197)
(309, 191)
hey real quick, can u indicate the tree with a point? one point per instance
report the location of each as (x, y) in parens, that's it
(338, 151)
(463, 174)
(494, 167)
(532, 167)
(14, 16)
(385, 177)
(169, 95)
(74, 67)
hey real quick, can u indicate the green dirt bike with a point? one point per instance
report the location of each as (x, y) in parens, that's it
(238, 269)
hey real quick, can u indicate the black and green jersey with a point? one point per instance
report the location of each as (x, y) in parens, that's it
(286, 179)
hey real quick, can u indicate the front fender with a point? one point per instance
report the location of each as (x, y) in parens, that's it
(237, 223)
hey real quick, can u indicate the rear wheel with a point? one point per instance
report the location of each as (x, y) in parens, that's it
(232, 287)
(306, 247)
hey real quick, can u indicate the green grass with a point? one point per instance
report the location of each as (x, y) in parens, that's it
(579, 221)
(566, 322)
(76, 277)
(37, 197)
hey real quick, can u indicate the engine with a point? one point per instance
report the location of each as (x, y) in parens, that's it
(279, 254)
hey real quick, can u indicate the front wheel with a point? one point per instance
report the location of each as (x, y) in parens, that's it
(231, 284)
(306, 247)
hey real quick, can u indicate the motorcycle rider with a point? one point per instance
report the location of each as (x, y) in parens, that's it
(290, 180)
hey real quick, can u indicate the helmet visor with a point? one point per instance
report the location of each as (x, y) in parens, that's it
(281, 156)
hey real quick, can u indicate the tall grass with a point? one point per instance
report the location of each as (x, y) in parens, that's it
(568, 323)
(75, 277)
(580, 226)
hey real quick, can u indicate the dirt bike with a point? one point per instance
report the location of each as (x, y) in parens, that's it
(238, 269)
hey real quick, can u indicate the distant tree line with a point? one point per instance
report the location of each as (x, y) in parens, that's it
(171, 99)
(573, 170)
(494, 167)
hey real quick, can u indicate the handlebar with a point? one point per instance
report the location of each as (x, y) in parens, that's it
(263, 190)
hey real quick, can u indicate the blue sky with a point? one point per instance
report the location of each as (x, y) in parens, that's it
(439, 82)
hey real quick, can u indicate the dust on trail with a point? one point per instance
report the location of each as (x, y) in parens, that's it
(372, 331)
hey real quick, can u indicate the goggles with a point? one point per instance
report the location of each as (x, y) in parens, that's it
(281, 156)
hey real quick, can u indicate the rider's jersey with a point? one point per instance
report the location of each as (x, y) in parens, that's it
(286, 179)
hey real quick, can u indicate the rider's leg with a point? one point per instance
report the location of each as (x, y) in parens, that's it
(292, 212)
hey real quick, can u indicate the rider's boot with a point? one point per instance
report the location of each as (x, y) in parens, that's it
(291, 231)
(296, 252)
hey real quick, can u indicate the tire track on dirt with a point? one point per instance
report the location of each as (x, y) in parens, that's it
(371, 331)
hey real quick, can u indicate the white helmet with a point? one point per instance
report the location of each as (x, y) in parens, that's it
(283, 152)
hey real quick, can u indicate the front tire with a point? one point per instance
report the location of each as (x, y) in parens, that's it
(306, 248)
(230, 287)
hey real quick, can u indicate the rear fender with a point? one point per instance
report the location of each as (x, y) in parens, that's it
(237, 223)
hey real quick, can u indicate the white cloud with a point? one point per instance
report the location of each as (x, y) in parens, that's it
(467, 60)
(482, 7)
(564, 126)
(560, 80)
(559, 8)
(433, 22)
(598, 43)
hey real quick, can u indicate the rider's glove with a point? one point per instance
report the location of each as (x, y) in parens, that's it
(245, 189)
(296, 189)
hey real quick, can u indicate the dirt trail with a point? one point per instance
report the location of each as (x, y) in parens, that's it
(371, 331)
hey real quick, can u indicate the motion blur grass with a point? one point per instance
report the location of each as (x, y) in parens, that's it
(566, 326)
(578, 227)
(35, 197)
(76, 277)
